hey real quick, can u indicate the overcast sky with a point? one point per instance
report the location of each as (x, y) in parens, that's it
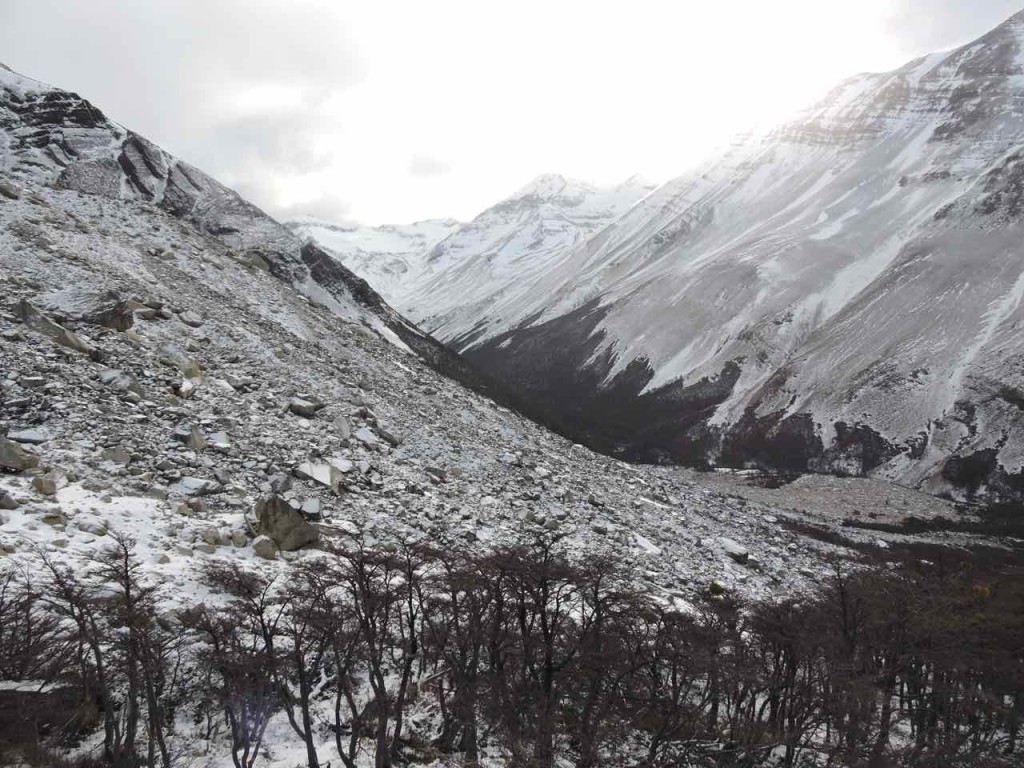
(385, 111)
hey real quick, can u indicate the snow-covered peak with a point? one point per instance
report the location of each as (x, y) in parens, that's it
(390, 257)
(11, 80)
(552, 185)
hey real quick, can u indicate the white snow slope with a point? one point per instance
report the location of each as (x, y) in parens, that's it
(436, 269)
(391, 258)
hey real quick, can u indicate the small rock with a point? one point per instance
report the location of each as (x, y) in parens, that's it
(92, 525)
(191, 319)
(7, 501)
(323, 473)
(211, 535)
(264, 546)
(54, 518)
(121, 381)
(735, 550)
(312, 509)
(176, 357)
(305, 408)
(195, 486)
(219, 441)
(365, 436)
(117, 455)
(344, 427)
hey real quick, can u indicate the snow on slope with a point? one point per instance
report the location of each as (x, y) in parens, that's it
(391, 258)
(841, 294)
(505, 245)
(433, 269)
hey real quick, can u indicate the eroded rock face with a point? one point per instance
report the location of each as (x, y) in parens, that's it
(283, 524)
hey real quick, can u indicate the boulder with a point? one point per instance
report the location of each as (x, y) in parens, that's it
(8, 502)
(37, 321)
(190, 435)
(113, 313)
(286, 526)
(176, 357)
(28, 436)
(735, 550)
(13, 456)
(191, 319)
(304, 407)
(195, 486)
(365, 436)
(323, 473)
(393, 436)
(117, 455)
(50, 483)
(8, 190)
(264, 546)
(121, 381)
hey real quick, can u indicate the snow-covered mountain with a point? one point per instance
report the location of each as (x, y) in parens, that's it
(843, 294)
(439, 271)
(391, 258)
(171, 355)
(200, 411)
(510, 242)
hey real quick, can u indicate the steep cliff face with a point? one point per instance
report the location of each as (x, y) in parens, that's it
(853, 281)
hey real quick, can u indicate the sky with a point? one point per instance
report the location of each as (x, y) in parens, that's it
(388, 111)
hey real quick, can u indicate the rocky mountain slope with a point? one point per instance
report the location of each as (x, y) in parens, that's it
(181, 369)
(391, 258)
(840, 295)
(171, 355)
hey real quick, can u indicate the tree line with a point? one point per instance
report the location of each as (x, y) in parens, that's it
(526, 655)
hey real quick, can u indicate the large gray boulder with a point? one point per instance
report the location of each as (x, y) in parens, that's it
(285, 525)
(13, 456)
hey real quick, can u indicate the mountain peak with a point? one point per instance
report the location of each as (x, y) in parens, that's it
(551, 185)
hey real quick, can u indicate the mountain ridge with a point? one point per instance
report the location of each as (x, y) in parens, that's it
(845, 285)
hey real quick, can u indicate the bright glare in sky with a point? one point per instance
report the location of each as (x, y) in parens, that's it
(393, 111)
(454, 116)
